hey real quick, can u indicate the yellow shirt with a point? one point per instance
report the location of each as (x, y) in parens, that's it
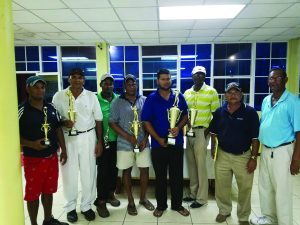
(206, 101)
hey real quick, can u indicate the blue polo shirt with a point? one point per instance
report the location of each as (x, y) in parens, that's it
(279, 122)
(155, 112)
(30, 123)
(235, 131)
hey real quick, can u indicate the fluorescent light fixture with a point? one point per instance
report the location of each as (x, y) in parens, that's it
(169, 57)
(188, 56)
(91, 69)
(70, 58)
(199, 12)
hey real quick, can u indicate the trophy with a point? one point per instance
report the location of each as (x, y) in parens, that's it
(45, 128)
(173, 117)
(72, 113)
(105, 139)
(192, 117)
(135, 125)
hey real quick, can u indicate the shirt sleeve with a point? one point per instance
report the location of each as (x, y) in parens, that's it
(114, 112)
(146, 111)
(215, 103)
(98, 116)
(296, 115)
(254, 124)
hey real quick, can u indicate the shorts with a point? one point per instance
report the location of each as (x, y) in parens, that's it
(127, 159)
(41, 175)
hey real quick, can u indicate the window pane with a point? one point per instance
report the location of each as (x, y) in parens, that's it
(262, 67)
(152, 65)
(33, 66)
(244, 51)
(89, 68)
(159, 50)
(49, 54)
(220, 84)
(117, 68)
(84, 52)
(185, 84)
(20, 53)
(32, 53)
(258, 99)
(20, 66)
(116, 53)
(90, 83)
(262, 50)
(244, 67)
(220, 51)
(278, 63)
(219, 68)
(205, 64)
(186, 68)
(132, 68)
(279, 50)
(232, 67)
(204, 51)
(261, 85)
(131, 53)
(148, 81)
(49, 66)
(187, 50)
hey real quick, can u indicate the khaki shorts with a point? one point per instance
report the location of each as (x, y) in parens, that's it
(127, 159)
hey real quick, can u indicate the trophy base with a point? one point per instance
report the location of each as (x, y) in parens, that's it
(190, 134)
(73, 133)
(46, 143)
(171, 140)
(136, 150)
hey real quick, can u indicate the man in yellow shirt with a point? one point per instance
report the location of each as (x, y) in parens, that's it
(204, 99)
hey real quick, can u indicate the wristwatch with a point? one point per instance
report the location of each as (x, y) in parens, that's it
(253, 157)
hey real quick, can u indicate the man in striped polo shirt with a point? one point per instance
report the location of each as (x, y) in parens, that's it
(204, 99)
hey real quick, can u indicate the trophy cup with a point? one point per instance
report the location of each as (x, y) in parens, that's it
(173, 117)
(134, 128)
(72, 113)
(192, 117)
(45, 128)
(105, 139)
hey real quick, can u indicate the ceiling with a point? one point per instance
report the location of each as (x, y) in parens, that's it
(85, 22)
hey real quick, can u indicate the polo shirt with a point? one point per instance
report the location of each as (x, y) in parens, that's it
(205, 100)
(122, 114)
(155, 112)
(86, 106)
(30, 123)
(105, 108)
(235, 131)
(279, 122)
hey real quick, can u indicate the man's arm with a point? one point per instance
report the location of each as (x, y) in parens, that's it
(213, 141)
(62, 144)
(36, 145)
(99, 146)
(252, 163)
(295, 163)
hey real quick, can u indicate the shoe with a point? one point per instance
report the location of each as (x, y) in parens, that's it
(147, 204)
(244, 223)
(262, 220)
(113, 201)
(131, 209)
(53, 221)
(188, 199)
(89, 215)
(196, 204)
(222, 218)
(183, 211)
(102, 210)
(72, 216)
(158, 213)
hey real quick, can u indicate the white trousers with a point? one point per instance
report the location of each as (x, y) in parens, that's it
(81, 158)
(275, 184)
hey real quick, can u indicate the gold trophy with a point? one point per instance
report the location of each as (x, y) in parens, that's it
(46, 128)
(72, 113)
(173, 117)
(192, 117)
(135, 126)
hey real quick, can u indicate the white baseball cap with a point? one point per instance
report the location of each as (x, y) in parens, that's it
(199, 69)
(106, 75)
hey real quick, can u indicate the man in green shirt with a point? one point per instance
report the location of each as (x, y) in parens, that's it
(107, 170)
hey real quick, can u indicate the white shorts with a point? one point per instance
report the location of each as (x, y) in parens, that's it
(127, 159)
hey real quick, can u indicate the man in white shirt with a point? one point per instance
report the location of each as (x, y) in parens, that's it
(83, 145)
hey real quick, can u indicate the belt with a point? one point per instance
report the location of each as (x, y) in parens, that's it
(199, 127)
(283, 144)
(80, 132)
(237, 153)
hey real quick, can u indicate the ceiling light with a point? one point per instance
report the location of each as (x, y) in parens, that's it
(232, 58)
(199, 12)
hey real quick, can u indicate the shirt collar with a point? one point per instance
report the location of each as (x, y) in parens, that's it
(202, 88)
(241, 108)
(114, 95)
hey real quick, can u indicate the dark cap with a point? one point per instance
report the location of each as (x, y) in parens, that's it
(129, 76)
(31, 81)
(75, 71)
(234, 85)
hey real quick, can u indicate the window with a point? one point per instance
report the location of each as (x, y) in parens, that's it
(49, 59)
(27, 58)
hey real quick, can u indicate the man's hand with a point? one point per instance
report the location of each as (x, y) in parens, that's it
(143, 144)
(251, 165)
(98, 149)
(162, 142)
(174, 131)
(63, 157)
(68, 123)
(37, 144)
(294, 167)
(131, 139)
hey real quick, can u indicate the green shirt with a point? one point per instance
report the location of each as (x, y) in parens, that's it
(105, 108)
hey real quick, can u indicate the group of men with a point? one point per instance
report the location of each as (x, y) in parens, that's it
(101, 134)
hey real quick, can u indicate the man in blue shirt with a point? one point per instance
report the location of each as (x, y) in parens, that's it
(166, 157)
(236, 126)
(280, 157)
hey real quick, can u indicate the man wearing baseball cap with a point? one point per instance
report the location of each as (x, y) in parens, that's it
(204, 99)
(40, 160)
(236, 127)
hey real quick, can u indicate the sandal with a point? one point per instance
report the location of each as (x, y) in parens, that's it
(158, 213)
(183, 211)
(147, 204)
(131, 209)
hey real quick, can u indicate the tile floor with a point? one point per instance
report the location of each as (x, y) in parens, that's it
(204, 215)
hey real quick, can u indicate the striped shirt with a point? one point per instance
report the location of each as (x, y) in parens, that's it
(206, 101)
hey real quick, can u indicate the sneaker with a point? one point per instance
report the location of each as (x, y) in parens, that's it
(188, 199)
(89, 215)
(262, 220)
(222, 218)
(196, 204)
(72, 216)
(53, 221)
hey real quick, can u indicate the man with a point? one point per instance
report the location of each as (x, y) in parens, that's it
(280, 157)
(205, 100)
(83, 146)
(166, 157)
(236, 126)
(107, 171)
(40, 160)
(121, 117)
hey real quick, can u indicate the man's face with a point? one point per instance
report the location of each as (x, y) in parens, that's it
(164, 81)
(107, 86)
(130, 87)
(76, 81)
(233, 96)
(37, 91)
(198, 78)
(276, 81)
